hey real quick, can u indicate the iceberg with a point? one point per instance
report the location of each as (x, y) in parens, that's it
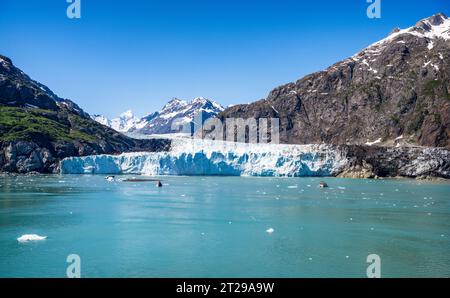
(31, 237)
(208, 157)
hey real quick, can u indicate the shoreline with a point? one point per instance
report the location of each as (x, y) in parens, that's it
(393, 178)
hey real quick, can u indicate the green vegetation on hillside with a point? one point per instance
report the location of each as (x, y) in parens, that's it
(436, 87)
(30, 123)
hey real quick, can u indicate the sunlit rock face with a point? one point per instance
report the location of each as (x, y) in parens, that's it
(398, 86)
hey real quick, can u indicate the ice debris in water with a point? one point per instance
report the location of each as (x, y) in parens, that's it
(31, 237)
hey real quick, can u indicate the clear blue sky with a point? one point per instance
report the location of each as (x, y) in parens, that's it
(138, 54)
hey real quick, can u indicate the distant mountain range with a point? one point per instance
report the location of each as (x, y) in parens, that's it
(394, 92)
(125, 122)
(175, 113)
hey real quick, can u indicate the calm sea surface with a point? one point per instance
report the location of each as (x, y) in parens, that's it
(216, 227)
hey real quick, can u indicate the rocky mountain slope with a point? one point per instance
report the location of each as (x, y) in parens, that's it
(176, 112)
(396, 91)
(37, 128)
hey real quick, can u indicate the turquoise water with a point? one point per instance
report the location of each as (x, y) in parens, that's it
(216, 227)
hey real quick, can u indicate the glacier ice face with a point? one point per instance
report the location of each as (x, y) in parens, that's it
(207, 157)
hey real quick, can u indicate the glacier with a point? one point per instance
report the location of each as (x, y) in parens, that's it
(208, 157)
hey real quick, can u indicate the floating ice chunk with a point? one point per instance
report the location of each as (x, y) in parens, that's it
(31, 237)
(270, 230)
(293, 186)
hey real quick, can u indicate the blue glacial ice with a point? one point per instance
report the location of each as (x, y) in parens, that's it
(206, 157)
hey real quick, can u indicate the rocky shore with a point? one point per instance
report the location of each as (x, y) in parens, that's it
(411, 162)
(27, 156)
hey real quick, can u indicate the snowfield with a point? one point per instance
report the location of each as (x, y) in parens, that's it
(207, 157)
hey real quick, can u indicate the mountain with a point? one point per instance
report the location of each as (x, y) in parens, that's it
(19, 90)
(38, 128)
(396, 91)
(125, 122)
(176, 112)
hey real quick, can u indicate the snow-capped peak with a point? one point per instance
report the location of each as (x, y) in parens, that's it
(436, 26)
(431, 28)
(179, 112)
(174, 104)
(200, 100)
(160, 122)
(101, 119)
(5, 60)
(123, 123)
(207, 104)
(127, 115)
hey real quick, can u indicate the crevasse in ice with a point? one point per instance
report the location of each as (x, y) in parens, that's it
(207, 157)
